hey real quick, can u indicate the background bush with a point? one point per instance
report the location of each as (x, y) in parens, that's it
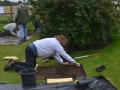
(83, 22)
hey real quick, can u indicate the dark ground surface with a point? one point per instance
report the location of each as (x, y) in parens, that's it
(66, 71)
(30, 32)
(11, 40)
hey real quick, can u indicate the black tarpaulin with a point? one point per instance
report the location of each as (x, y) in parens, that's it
(10, 40)
(83, 83)
(94, 83)
(60, 86)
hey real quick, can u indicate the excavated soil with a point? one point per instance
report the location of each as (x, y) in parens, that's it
(66, 71)
(30, 32)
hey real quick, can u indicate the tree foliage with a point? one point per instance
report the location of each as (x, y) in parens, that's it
(83, 22)
(5, 2)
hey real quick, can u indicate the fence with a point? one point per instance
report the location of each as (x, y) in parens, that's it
(8, 13)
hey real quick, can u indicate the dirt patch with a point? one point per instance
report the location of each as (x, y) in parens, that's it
(30, 32)
(60, 72)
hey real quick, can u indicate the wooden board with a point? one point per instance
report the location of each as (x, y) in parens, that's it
(10, 57)
(59, 80)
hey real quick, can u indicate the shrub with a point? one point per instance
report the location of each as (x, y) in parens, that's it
(83, 22)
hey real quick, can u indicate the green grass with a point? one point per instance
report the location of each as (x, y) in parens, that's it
(3, 18)
(110, 58)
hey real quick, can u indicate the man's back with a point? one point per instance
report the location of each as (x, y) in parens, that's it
(10, 26)
(23, 15)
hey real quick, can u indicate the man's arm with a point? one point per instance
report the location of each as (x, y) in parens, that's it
(58, 58)
(63, 53)
(15, 16)
(12, 29)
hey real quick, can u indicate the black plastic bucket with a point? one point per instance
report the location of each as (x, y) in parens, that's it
(28, 77)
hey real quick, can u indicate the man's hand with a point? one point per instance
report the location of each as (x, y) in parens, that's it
(77, 64)
(65, 63)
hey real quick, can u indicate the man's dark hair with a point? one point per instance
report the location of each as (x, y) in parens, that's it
(19, 2)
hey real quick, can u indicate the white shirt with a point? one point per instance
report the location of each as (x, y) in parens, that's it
(52, 47)
(11, 27)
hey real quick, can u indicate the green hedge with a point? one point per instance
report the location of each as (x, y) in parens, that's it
(83, 22)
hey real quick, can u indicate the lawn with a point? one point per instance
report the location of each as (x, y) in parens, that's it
(110, 58)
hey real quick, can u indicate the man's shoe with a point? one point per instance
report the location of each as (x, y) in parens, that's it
(8, 66)
(22, 40)
(2, 34)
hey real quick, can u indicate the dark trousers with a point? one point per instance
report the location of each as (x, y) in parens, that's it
(30, 61)
(7, 33)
